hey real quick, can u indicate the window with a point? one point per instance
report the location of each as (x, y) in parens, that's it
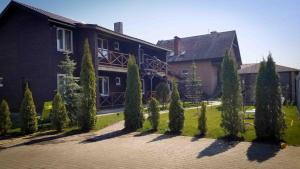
(116, 46)
(64, 40)
(118, 81)
(103, 47)
(104, 86)
(61, 81)
(1, 82)
(143, 86)
(185, 72)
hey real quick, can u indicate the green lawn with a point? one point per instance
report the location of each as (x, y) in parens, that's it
(102, 121)
(292, 135)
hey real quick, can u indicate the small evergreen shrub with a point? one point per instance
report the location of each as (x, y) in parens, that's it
(5, 122)
(154, 113)
(28, 113)
(202, 120)
(58, 114)
(176, 112)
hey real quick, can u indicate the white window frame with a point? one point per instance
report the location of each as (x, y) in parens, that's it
(103, 50)
(143, 86)
(64, 40)
(1, 81)
(116, 46)
(58, 78)
(102, 85)
(118, 81)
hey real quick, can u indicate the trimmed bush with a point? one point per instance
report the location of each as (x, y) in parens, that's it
(5, 122)
(154, 113)
(133, 112)
(58, 114)
(202, 120)
(28, 113)
(88, 84)
(176, 112)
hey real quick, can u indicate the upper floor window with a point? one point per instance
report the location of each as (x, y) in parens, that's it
(103, 46)
(1, 82)
(64, 38)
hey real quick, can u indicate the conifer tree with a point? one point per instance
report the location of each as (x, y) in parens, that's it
(58, 114)
(202, 120)
(193, 87)
(28, 113)
(88, 84)
(269, 119)
(70, 89)
(176, 112)
(133, 112)
(5, 122)
(231, 98)
(163, 93)
(154, 113)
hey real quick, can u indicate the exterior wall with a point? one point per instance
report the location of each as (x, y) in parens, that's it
(26, 55)
(287, 84)
(206, 71)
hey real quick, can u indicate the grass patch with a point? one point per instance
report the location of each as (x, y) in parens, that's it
(292, 134)
(102, 122)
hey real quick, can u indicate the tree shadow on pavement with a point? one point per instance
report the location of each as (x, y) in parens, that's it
(106, 136)
(218, 146)
(144, 133)
(261, 152)
(47, 139)
(167, 135)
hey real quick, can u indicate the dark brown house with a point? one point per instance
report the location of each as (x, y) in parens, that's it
(207, 51)
(33, 42)
(287, 75)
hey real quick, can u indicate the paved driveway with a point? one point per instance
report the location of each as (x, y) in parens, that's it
(111, 148)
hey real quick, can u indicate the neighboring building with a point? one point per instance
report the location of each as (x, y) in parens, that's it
(207, 51)
(287, 76)
(33, 43)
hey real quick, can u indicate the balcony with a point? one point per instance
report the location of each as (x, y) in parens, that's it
(117, 62)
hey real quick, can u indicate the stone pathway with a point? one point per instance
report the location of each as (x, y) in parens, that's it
(112, 148)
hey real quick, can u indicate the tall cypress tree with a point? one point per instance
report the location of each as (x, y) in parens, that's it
(133, 97)
(5, 122)
(176, 112)
(28, 113)
(231, 98)
(88, 84)
(269, 119)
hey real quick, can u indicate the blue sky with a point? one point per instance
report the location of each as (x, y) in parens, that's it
(261, 25)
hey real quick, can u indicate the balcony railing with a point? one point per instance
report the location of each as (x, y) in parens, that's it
(153, 63)
(112, 58)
